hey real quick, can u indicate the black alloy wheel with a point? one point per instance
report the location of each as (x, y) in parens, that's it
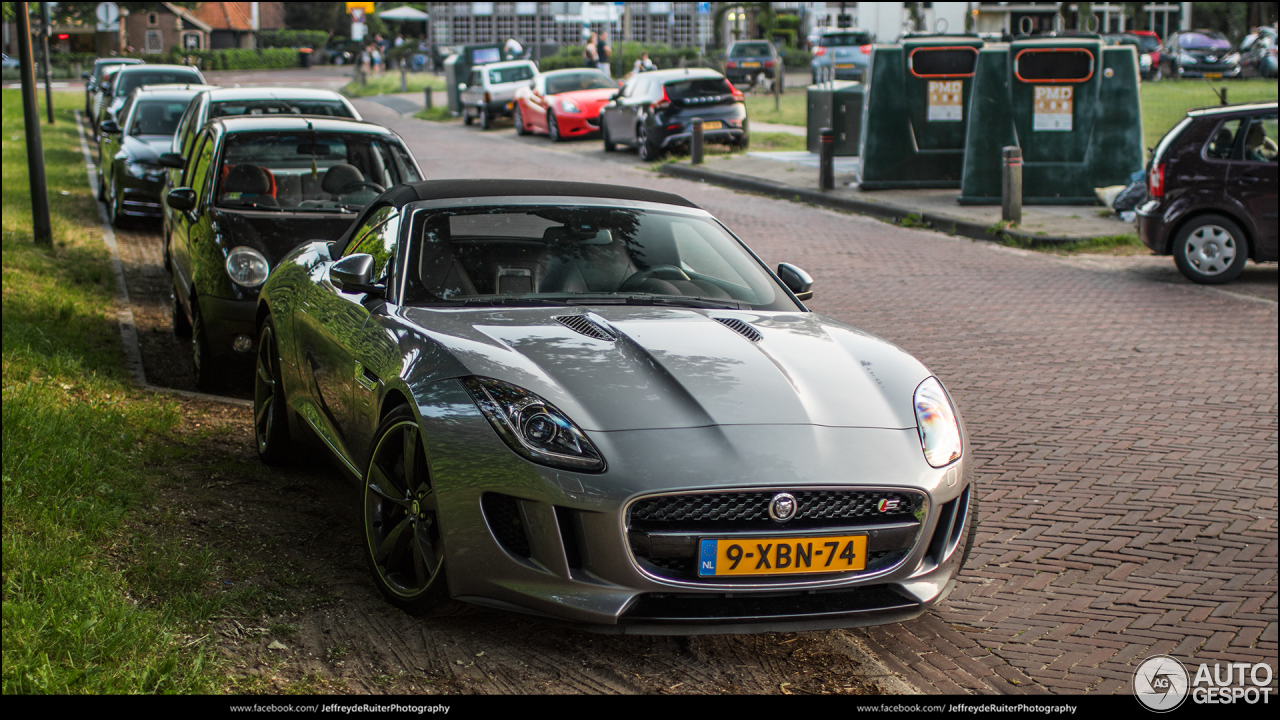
(181, 325)
(645, 148)
(609, 144)
(553, 127)
(403, 539)
(270, 420)
(519, 120)
(206, 368)
(115, 212)
(486, 119)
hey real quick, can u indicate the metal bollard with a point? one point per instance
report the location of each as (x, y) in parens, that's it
(1011, 175)
(696, 149)
(1223, 96)
(404, 81)
(427, 96)
(826, 161)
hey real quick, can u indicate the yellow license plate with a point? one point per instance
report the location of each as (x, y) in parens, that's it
(844, 66)
(712, 125)
(781, 555)
(750, 64)
(1214, 76)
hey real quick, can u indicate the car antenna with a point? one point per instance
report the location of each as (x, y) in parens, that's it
(314, 171)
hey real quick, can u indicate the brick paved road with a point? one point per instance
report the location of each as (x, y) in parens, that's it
(1125, 431)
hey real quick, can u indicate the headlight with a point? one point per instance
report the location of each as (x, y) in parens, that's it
(1144, 60)
(1233, 58)
(247, 266)
(533, 427)
(139, 170)
(936, 420)
(570, 106)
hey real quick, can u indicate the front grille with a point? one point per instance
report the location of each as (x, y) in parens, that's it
(738, 511)
(711, 608)
(663, 531)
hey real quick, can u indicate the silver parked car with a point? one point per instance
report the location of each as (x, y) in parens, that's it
(490, 90)
(595, 404)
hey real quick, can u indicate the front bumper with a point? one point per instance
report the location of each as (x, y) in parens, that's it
(1201, 70)
(224, 319)
(140, 197)
(577, 124)
(558, 544)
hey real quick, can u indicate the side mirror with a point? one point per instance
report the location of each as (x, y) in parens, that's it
(354, 274)
(182, 198)
(796, 280)
(109, 126)
(84, 75)
(171, 160)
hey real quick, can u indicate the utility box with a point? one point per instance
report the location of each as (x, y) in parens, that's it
(917, 112)
(837, 105)
(457, 68)
(1071, 105)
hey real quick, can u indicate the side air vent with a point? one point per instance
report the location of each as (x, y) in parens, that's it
(503, 514)
(586, 326)
(742, 328)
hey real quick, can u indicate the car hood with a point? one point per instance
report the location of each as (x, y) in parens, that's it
(273, 233)
(146, 148)
(680, 368)
(589, 100)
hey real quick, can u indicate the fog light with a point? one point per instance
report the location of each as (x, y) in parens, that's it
(242, 344)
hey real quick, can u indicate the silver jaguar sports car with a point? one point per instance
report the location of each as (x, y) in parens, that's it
(595, 404)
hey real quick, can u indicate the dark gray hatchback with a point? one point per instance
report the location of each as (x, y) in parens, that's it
(1212, 187)
(654, 111)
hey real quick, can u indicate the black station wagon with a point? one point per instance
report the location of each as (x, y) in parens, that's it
(252, 189)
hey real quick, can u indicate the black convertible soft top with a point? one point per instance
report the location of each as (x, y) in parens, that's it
(403, 194)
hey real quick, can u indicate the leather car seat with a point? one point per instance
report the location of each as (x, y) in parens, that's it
(253, 182)
(595, 264)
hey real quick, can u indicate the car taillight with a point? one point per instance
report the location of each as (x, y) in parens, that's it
(866, 49)
(737, 94)
(731, 64)
(768, 63)
(486, 96)
(819, 51)
(1155, 181)
(662, 104)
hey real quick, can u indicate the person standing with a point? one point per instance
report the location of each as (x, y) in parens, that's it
(603, 51)
(590, 56)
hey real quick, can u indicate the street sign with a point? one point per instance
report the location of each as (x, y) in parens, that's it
(704, 8)
(108, 14)
(365, 7)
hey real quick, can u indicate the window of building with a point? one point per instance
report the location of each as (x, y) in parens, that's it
(153, 20)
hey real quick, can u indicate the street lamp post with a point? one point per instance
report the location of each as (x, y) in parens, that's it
(43, 230)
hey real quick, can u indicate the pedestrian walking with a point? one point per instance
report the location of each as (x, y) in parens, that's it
(590, 56)
(603, 52)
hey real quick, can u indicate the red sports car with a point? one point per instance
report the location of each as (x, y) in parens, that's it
(563, 103)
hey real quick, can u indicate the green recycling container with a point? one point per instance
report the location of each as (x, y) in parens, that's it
(917, 112)
(457, 68)
(837, 105)
(1070, 103)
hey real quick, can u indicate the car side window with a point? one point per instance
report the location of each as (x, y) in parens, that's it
(1260, 140)
(377, 237)
(179, 134)
(198, 179)
(1223, 140)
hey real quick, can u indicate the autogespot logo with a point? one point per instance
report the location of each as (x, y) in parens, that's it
(1160, 683)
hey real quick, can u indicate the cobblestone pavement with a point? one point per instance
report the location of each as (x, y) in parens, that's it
(1124, 428)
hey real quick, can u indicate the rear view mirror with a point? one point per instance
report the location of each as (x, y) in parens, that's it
(171, 160)
(796, 280)
(183, 198)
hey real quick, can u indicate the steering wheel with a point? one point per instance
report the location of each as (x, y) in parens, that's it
(657, 272)
(354, 186)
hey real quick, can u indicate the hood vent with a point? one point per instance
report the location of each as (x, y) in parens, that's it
(742, 328)
(586, 326)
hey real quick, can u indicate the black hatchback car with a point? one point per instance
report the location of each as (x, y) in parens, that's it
(748, 61)
(1200, 53)
(252, 189)
(1212, 187)
(654, 112)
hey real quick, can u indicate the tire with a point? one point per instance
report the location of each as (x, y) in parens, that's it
(206, 367)
(270, 406)
(645, 148)
(115, 212)
(518, 118)
(486, 120)
(181, 325)
(1210, 250)
(409, 572)
(553, 127)
(466, 116)
(1159, 75)
(743, 144)
(609, 144)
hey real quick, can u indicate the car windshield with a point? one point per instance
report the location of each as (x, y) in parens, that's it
(312, 171)
(750, 50)
(510, 74)
(588, 80)
(583, 255)
(128, 81)
(1203, 41)
(845, 40)
(1148, 43)
(156, 117)
(273, 106)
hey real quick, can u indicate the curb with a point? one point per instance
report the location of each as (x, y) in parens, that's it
(934, 221)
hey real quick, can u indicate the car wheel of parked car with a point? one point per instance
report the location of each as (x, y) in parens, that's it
(403, 542)
(1159, 72)
(115, 211)
(519, 120)
(646, 149)
(609, 144)
(743, 144)
(181, 326)
(486, 120)
(466, 116)
(270, 422)
(1210, 250)
(553, 127)
(206, 370)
